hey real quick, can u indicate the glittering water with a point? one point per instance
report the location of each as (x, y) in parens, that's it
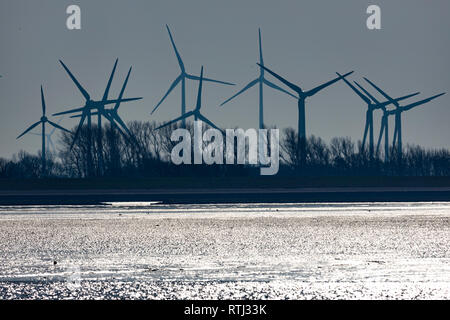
(229, 251)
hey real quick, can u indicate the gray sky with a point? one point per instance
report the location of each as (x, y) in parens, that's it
(306, 41)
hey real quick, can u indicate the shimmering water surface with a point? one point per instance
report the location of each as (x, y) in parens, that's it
(229, 251)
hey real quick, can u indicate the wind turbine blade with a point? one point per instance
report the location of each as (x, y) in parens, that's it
(58, 126)
(366, 131)
(192, 77)
(386, 103)
(172, 86)
(380, 136)
(261, 60)
(407, 96)
(43, 101)
(54, 129)
(123, 89)
(418, 103)
(359, 93)
(248, 86)
(69, 111)
(204, 119)
(199, 94)
(108, 114)
(83, 92)
(326, 84)
(287, 83)
(80, 115)
(108, 86)
(116, 107)
(29, 129)
(274, 86)
(119, 100)
(186, 115)
(115, 125)
(52, 146)
(122, 124)
(180, 61)
(382, 92)
(368, 93)
(77, 133)
(394, 142)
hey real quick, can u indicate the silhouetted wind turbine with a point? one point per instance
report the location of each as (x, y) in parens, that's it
(182, 78)
(398, 115)
(372, 105)
(384, 128)
(196, 112)
(113, 115)
(261, 80)
(302, 96)
(43, 121)
(89, 106)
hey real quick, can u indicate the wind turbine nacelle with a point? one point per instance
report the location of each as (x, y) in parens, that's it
(44, 119)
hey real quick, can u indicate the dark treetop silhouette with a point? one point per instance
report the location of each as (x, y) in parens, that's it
(261, 80)
(43, 121)
(182, 78)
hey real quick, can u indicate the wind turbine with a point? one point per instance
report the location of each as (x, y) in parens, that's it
(196, 112)
(113, 115)
(372, 105)
(302, 96)
(384, 128)
(49, 145)
(43, 121)
(182, 79)
(398, 115)
(86, 111)
(261, 80)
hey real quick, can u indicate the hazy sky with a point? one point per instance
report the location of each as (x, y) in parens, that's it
(307, 41)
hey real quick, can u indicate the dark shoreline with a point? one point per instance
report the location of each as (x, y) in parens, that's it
(226, 195)
(192, 190)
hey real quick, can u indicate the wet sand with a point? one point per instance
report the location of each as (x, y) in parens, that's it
(243, 251)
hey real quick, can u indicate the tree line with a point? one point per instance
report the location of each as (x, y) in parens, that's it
(147, 154)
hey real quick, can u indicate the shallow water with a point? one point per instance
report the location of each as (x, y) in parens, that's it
(245, 251)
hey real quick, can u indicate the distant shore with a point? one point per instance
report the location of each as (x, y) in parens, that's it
(225, 195)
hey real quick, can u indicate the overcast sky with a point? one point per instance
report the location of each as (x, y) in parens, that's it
(307, 41)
